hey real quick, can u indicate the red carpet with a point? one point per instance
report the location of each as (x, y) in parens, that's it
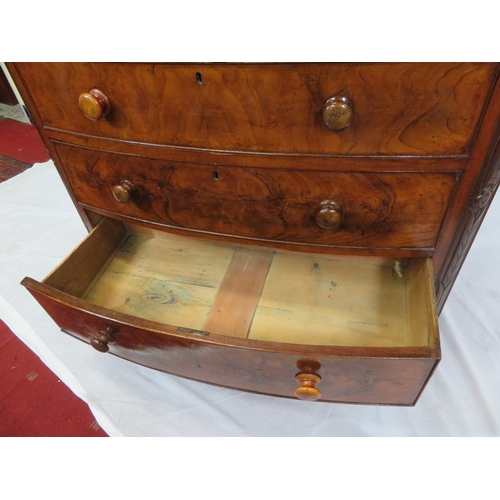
(33, 401)
(9, 167)
(21, 142)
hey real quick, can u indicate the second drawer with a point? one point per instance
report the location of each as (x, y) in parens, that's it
(353, 209)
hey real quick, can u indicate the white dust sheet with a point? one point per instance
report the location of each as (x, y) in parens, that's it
(39, 226)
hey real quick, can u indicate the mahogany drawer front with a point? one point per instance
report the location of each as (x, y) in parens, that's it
(385, 210)
(391, 378)
(360, 369)
(392, 108)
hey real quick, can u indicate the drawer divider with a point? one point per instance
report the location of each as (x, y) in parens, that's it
(239, 293)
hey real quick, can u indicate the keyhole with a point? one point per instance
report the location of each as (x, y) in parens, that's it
(198, 78)
(216, 176)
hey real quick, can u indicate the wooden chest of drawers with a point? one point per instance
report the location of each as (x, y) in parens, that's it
(276, 228)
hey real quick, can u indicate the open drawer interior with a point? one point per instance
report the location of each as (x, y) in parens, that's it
(254, 293)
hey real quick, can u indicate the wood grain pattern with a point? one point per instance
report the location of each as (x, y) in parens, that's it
(239, 293)
(472, 201)
(322, 301)
(227, 290)
(421, 298)
(401, 108)
(79, 270)
(480, 198)
(169, 280)
(271, 296)
(362, 255)
(393, 376)
(384, 210)
(293, 161)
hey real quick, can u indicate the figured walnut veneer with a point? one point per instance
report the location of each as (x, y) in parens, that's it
(384, 210)
(400, 109)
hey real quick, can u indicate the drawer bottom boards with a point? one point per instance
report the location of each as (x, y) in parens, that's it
(327, 328)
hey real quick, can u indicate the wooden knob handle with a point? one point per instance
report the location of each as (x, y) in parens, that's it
(338, 112)
(104, 337)
(94, 104)
(124, 191)
(330, 215)
(307, 390)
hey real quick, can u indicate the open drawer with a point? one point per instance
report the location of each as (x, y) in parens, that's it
(353, 330)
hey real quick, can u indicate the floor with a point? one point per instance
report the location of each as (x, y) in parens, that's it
(33, 401)
(14, 113)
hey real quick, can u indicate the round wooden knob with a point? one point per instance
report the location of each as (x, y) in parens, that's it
(94, 104)
(307, 390)
(329, 215)
(338, 112)
(104, 338)
(124, 191)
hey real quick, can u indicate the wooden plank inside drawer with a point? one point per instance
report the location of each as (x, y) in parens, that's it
(167, 280)
(239, 293)
(323, 301)
(257, 294)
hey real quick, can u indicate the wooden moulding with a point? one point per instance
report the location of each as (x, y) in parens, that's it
(352, 251)
(250, 293)
(372, 163)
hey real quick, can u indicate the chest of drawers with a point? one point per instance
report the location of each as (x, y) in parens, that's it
(287, 229)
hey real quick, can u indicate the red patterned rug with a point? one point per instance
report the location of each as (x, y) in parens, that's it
(10, 168)
(33, 401)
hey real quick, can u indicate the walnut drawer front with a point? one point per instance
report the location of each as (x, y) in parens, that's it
(278, 323)
(385, 210)
(373, 109)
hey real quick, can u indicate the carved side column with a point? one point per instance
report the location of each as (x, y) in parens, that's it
(482, 194)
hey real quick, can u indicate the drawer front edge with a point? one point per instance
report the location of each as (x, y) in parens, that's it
(388, 379)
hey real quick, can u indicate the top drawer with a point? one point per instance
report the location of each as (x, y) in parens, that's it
(389, 108)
